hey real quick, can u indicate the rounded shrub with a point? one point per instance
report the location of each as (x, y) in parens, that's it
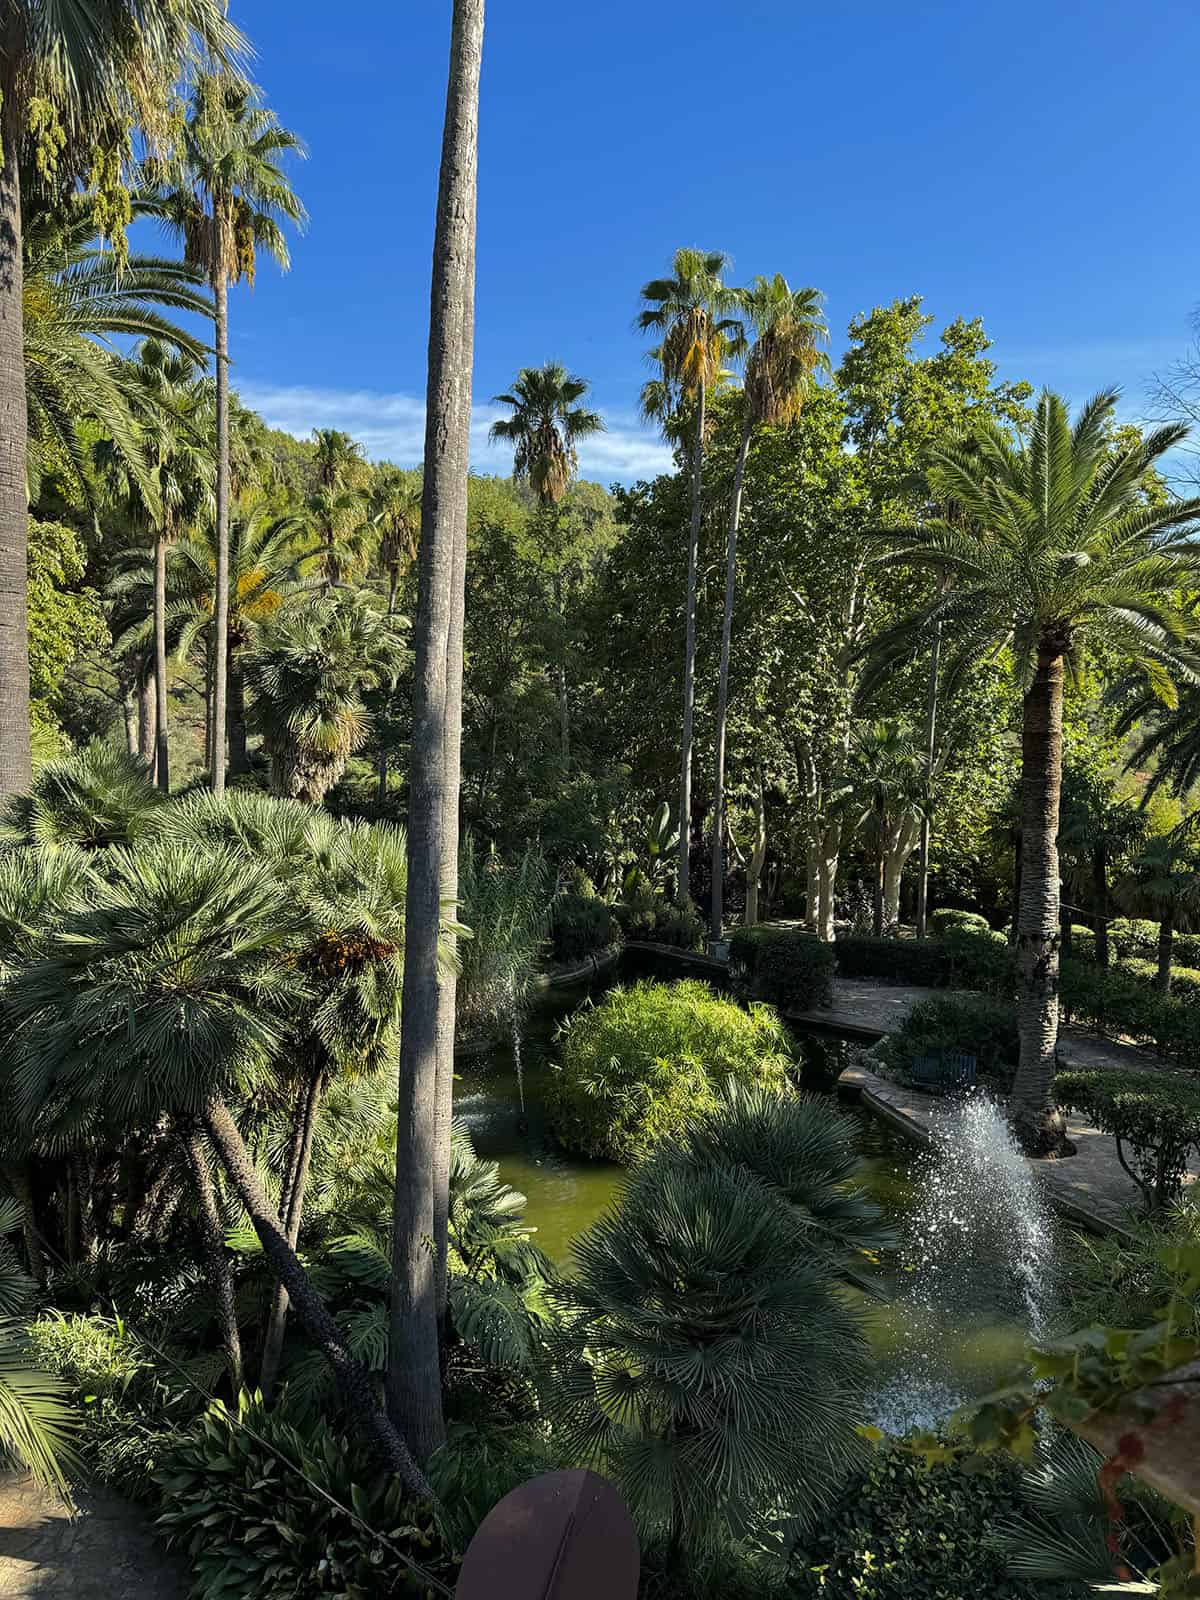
(942, 921)
(633, 1067)
(977, 1024)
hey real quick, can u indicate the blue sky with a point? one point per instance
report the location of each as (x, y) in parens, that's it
(1031, 163)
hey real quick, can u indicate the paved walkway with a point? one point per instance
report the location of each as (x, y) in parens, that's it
(108, 1551)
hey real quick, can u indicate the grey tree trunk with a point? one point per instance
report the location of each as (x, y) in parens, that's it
(427, 1033)
(354, 1383)
(930, 742)
(689, 659)
(219, 1270)
(15, 769)
(1166, 944)
(239, 758)
(292, 1207)
(1038, 924)
(1100, 895)
(162, 766)
(758, 855)
(221, 587)
(717, 916)
(130, 713)
(147, 720)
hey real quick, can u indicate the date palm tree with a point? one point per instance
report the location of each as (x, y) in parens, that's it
(93, 73)
(228, 194)
(688, 313)
(1056, 549)
(545, 428)
(395, 509)
(788, 330)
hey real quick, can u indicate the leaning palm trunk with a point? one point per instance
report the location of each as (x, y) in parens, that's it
(1038, 920)
(15, 768)
(291, 1205)
(689, 658)
(216, 1258)
(717, 917)
(414, 1376)
(162, 768)
(354, 1383)
(220, 626)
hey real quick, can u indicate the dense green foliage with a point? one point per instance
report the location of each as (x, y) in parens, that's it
(790, 969)
(983, 1027)
(1153, 1117)
(635, 1065)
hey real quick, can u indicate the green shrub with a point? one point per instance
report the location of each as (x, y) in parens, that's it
(984, 1027)
(130, 1418)
(980, 960)
(646, 914)
(1118, 1003)
(634, 1066)
(581, 925)
(477, 1466)
(1083, 943)
(1128, 936)
(942, 921)
(1123, 1280)
(1185, 981)
(1153, 1116)
(902, 1530)
(916, 961)
(784, 966)
(256, 1528)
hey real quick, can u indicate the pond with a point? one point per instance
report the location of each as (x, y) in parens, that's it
(961, 1295)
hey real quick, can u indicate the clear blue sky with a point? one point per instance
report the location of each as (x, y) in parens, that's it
(1033, 163)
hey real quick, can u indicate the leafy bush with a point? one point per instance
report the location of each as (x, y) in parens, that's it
(581, 925)
(644, 913)
(1185, 981)
(632, 1067)
(506, 904)
(1123, 1280)
(917, 961)
(130, 1418)
(902, 1529)
(787, 967)
(477, 1467)
(1083, 943)
(1118, 1003)
(980, 960)
(1153, 1116)
(254, 1527)
(942, 921)
(985, 1028)
(1139, 937)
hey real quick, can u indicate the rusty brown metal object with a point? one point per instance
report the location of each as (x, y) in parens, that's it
(1156, 1431)
(563, 1536)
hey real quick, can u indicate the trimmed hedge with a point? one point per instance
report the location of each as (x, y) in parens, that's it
(785, 966)
(1116, 1002)
(633, 1067)
(942, 921)
(1131, 936)
(1153, 1116)
(648, 915)
(963, 959)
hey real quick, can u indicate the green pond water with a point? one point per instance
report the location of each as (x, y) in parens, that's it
(950, 1351)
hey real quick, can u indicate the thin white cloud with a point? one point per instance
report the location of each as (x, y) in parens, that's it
(391, 427)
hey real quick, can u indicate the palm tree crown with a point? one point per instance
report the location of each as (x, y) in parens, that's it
(789, 329)
(545, 428)
(690, 311)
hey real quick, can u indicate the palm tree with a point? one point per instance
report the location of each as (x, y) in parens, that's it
(95, 797)
(102, 70)
(339, 504)
(309, 670)
(228, 195)
(545, 428)
(427, 1028)
(1163, 882)
(396, 516)
(1095, 829)
(1055, 549)
(687, 310)
(788, 330)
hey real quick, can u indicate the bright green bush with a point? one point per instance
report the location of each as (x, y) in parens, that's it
(255, 1528)
(1083, 943)
(984, 1027)
(1118, 1003)
(1153, 1116)
(1185, 981)
(130, 1416)
(902, 1530)
(787, 967)
(632, 1067)
(943, 920)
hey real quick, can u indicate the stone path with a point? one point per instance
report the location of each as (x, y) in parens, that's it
(107, 1551)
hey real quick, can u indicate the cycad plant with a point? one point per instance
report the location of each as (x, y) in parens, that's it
(309, 671)
(95, 797)
(788, 330)
(689, 312)
(1054, 548)
(704, 1362)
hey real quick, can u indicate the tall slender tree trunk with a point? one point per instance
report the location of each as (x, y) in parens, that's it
(162, 767)
(827, 865)
(208, 702)
(147, 718)
(1100, 895)
(1038, 925)
(717, 918)
(1166, 945)
(15, 769)
(382, 786)
(427, 1032)
(689, 657)
(239, 759)
(292, 1208)
(217, 1258)
(758, 854)
(355, 1384)
(877, 886)
(129, 711)
(927, 811)
(221, 587)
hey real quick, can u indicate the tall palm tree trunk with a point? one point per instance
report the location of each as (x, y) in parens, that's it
(292, 1207)
(1166, 944)
(717, 915)
(162, 767)
(354, 1383)
(926, 819)
(221, 588)
(239, 758)
(414, 1377)
(1038, 921)
(17, 1174)
(216, 1257)
(147, 718)
(1100, 895)
(15, 769)
(130, 713)
(689, 657)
